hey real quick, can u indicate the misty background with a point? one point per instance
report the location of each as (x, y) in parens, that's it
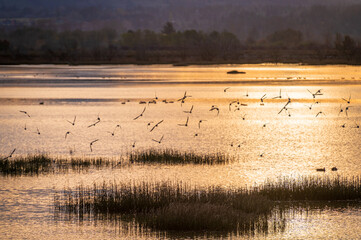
(317, 20)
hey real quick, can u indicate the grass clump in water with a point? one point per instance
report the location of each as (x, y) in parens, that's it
(313, 189)
(168, 206)
(170, 156)
(42, 163)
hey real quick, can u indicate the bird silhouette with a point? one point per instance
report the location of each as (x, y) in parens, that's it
(199, 123)
(320, 112)
(156, 125)
(112, 133)
(93, 125)
(186, 124)
(140, 115)
(73, 122)
(225, 90)
(279, 96)
(25, 113)
(91, 144)
(67, 133)
(158, 141)
(215, 108)
(190, 111)
(317, 93)
(9, 156)
(347, 100)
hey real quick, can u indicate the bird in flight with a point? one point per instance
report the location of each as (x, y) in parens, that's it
(25, 113)
(244, 117)
(215, 108)
(346, 109)
(67, 133)
(156, 125)
(190, 111)
(37, 131)
(347, 100)
(140, 115)
(284, 107)
(158, 141)
(93, 125)
(309, 106)
(279, 96)
(10, 155)
(320, 112)
(317, 93)
(91, 144)
(199, 123)
(133, 146)
(186, 124)
(225, 90)
(112, 133)
(73, 122)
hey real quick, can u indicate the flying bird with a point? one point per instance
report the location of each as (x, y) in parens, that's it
(112, 133)
(156, 125)
(199, 123)
(93, 125)
(225, 90)
(140, 115)
(279, 96)
(25, 113)
(67, 133)
(320, 112)
(10, 155)
(158, 141)
(37, 131)
(347, 100)
(186, 124)
(215, 108)
(73, 122)
(91, 144)
(317, 93)
(190, 111)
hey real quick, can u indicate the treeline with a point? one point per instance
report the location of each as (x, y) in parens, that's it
(35, 45)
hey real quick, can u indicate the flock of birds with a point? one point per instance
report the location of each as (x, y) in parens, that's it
(234, 105)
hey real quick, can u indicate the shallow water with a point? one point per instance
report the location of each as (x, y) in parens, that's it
(292, 146)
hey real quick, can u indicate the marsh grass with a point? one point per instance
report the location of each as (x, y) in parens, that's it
(171, 156)
(312, 189)
(175, 206)
(42, 164)
(172, 206)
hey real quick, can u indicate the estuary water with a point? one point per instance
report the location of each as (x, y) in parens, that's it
(275, 121)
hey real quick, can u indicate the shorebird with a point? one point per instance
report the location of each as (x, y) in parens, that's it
(10, 155)
(98, 118)
(155, 94)
(215, 108)
(140, 115)
(199, 123)
(347, 100)
(91, 144)
(320, 112)
(25, 127)
(341, 110)
(357, 126)
(25, 113)
(343, 125)
(225, 90)
(160, 140)
(133, 146)
(93, 125)
(317, 93)
(246, 94)
(279, 96)
(66, 134)
(261, 155)
(186, 124)
(190, 111)
(244, 117)
(37, 131)
(72, 123)
(230, 104)
(156, 125)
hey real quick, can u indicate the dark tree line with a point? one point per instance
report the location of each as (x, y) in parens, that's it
(169, 45)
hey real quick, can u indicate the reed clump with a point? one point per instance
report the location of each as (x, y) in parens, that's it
(312, 189)
(171, 156)
(42, 163)
(173, 206)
